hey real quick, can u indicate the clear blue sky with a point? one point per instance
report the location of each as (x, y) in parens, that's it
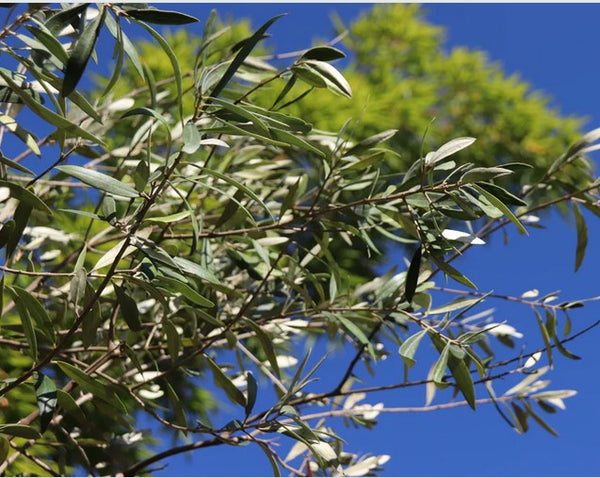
(554, 48)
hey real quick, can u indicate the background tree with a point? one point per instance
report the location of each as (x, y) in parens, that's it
(189, 235)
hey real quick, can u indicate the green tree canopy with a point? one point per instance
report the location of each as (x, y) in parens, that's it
(207, 215)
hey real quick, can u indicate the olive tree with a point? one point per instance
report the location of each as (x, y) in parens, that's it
(189, 252)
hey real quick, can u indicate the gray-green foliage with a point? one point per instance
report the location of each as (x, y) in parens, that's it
(204, 237)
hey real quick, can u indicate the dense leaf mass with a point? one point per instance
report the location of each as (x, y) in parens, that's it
(209, 213)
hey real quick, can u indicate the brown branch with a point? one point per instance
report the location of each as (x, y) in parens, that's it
(142, 465)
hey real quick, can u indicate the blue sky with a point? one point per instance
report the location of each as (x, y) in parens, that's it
(552, 47)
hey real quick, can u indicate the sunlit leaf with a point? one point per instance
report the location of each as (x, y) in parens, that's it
(451, 147)
(48, 115)
(100, 181)
(25, 196)
(175, 286)
(483, 174)
(192, 138)
(497, 203)
(439, 369)
(23, 135)
(90, 384)
(409, 347)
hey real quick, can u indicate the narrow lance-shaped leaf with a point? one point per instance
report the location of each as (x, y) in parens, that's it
(440, 366)
(22, 134)
(267, 346)
(180, 418)
(77, 288)
(334, 79)
(143, 111)
(119, 53)
(458, 368)
(241, 112)
(452, 272)
(6, 232)
(483, 174)
(48, 115)
(576, 148)
(582, 236)
(21, 217)
(173, 342)
(357, 333)
(90, 384)
(451, 147)
(45, 391)
(13, 164)
(285, 90)
(561, 348)
(174, 64)
(323, 53)
(293, 140)
(175, 286)
(252, 390)
(247, 47)
(25, 196)
(502, 207)
(272, 459)
(521, 416)
(505, 196)
(46, 37)
(224, 382)
(371, 141)
(93, 320)
(18, 430)
(191, 138)
(5, 449)
(161, 17)
(409, 348)
(129, 309)
(539, 420)
(115, 30)
(69, 405)
(81, 53)
(241, 187)
(412, 276)
(27, 323)
(59, 21)
(545, 336)
(100, 181)
(36, 310)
